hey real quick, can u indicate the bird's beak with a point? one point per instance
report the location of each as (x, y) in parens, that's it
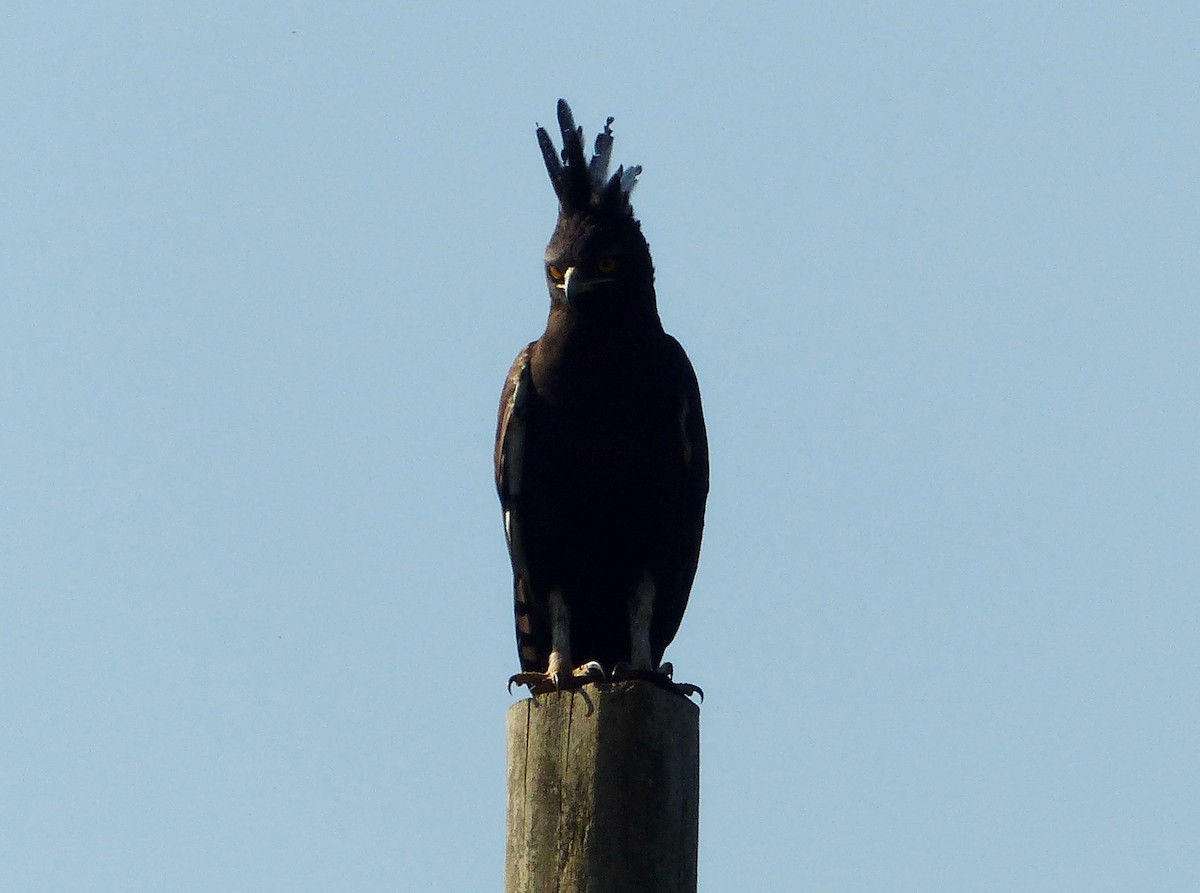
(574, 285)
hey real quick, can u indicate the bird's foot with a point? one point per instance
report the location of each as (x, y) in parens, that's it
(662, 677)
(555, 679)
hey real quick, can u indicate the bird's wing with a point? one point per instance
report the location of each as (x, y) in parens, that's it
(510, 436)
(691, 449)
(532, 637)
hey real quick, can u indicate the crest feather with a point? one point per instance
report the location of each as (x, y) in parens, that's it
(581, 185)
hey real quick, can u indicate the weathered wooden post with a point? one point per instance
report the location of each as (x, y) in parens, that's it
(603, 791)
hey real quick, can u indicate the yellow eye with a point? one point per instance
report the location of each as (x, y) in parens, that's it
(607, 265)
(555, 273)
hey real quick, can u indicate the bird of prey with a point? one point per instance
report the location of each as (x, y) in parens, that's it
(601, 455)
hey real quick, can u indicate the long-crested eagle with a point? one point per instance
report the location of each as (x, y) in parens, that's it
(601, 454)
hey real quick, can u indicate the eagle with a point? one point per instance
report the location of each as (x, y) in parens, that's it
(601, 454)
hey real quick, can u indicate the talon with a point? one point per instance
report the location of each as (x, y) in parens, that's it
(529, 680)
(555, 680)
(687, 690)
(663, 677)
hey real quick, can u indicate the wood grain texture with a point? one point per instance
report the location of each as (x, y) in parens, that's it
(603, 791)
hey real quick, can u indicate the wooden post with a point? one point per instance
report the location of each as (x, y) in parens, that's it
(603, 791)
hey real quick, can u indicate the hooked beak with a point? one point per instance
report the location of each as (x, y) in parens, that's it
(575, 284)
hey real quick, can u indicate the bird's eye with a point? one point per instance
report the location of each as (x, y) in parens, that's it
(555, 273)
(607, 265)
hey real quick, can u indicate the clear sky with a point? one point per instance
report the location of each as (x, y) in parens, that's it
(263, 269)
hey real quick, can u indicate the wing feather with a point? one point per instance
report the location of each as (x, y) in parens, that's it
(683, 554)
(509, 463)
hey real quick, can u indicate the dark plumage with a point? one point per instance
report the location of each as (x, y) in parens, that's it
(601, 456)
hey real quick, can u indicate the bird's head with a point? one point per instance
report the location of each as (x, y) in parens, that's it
(597, 261)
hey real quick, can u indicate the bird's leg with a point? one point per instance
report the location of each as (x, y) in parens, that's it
(641, 609)
(641, 662)
(559, 675)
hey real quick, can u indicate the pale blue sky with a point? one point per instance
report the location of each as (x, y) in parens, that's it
(263, 269)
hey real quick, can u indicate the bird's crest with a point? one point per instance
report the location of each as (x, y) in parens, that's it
(581, 185)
